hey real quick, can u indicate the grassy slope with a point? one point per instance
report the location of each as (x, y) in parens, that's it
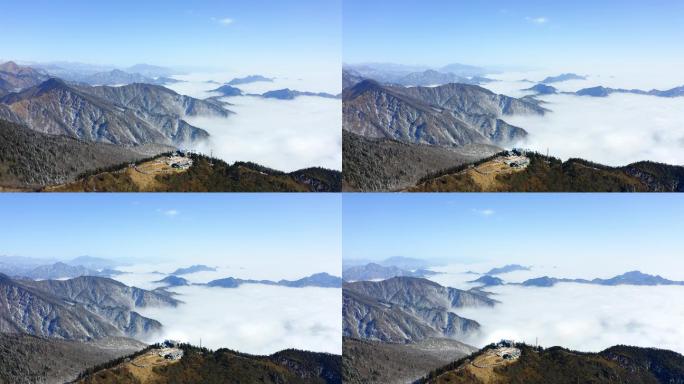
(558, 365)
(226, 366)
(219, 177)
(575, 175)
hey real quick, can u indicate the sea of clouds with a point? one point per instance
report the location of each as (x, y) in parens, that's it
(252, 318)
(578, 316)
(255, 318)
(614, 130)
(283, 134)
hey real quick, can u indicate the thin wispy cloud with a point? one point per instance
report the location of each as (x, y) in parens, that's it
(169, 212)
(537, 20)
(484, 212)
(223, 21)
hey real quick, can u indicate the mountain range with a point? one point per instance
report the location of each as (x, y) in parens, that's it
(373, 271)
(407, 309)
(131, 115)
(83, 308)
(193, 269)
(447, 115)
(562, 77)
(628, 278)
(249, 79)
(119, 77)
(290, 94)
(15, 77)
(600, 91)
(403, 262)
(603, 92)
(67, 135)
(413, 75)
(323, 280)
(60, 270)
(506, 269)
(280, 94)
(39, 269)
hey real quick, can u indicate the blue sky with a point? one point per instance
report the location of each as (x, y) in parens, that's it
(513, 227)
(522, 33)
(203, 33)
(187, 227)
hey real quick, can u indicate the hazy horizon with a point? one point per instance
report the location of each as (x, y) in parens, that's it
(534, 229)
(583, 35)
(178, 229)
(227, 34)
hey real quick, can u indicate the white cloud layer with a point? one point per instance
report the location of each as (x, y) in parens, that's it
(255, 318)
(614, 130)
(584, 317)
(283, 134)
(578, 316)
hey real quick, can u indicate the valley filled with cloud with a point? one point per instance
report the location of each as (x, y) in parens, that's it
(282, 134)
(583, 317)
(615, 130)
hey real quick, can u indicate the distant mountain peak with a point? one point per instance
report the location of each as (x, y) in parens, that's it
(52, 83)
(9, 66)
(362, 87)
(563, 77)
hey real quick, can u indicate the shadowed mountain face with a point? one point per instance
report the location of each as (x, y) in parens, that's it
(407, 309)
(26, 359)
(377, 362)
(447, 115)
(135, 114)
(385, 164)
(619, 364)
(83, 308)
(32, 159)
